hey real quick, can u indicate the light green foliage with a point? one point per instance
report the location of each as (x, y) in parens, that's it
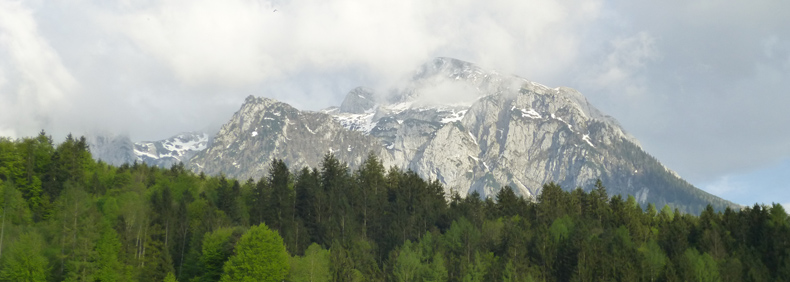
(509, 275)
(654, 259)
(561, 228)
(259, 256)
(666, 214)
(436, 271)
(313, 266)
(415, 262)
(13, 206)
(700, 267)
(24, 260)
(216, 251)
(408, 264)
(169, 278)
(476, 272)
(109, 268)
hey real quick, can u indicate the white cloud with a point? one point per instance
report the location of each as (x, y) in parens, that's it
(153, 68)
(620, 69)
(33, 81)
(441, 91)
(244, 41)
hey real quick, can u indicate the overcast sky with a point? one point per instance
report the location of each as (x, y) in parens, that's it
(702, 84)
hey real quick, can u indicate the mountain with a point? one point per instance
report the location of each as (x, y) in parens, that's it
(112, 149)
(496, 130)
(179, 148)
(117, 150)
(264, 129)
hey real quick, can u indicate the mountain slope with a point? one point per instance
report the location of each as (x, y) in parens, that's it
(264, 129)
(118, 150)
(165, 153)
(115, 150)
(498, 130)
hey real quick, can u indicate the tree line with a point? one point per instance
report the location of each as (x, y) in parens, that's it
(66, 217)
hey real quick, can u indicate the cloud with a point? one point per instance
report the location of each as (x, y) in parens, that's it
(154, 68)
(33, 80)
(244, 41)
(439, 91)
(621, 68)
(706, 102)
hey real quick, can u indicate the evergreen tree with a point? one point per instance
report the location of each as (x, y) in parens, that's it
(309, 200)
(108, 266)
(14, 210)
(25, 260)
(370, 187)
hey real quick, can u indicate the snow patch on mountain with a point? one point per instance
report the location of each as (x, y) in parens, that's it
(173, 150)
(530, 114)
(586, 138)
(358, 122)
(454, 116)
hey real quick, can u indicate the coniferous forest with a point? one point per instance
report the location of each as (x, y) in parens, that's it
(66, 217)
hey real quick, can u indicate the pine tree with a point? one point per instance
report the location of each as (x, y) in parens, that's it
(25, 260)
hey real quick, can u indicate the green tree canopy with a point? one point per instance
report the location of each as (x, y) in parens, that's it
(259, 256)
(313, 266)
(25, 261)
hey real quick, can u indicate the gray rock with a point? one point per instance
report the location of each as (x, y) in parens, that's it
(112, 149)
(495, 130)
(168, 152)
(358, 101)
(264, 129)
(118, 150)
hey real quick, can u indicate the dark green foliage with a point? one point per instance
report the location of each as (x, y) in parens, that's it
(66, 217)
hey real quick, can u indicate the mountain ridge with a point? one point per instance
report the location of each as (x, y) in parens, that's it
(501, 130)
(120, 149)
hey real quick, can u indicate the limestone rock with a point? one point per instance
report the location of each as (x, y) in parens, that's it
(469, 128)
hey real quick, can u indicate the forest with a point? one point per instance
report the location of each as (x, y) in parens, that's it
(66, 217)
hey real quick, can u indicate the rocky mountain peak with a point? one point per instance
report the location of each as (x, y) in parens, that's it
(469, 128)
(358, 101)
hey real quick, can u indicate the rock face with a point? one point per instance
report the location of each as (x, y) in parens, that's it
(171, 151)
(118, 150)
(264, 129)
(470, 128)
(358, 101)
(114, 150)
